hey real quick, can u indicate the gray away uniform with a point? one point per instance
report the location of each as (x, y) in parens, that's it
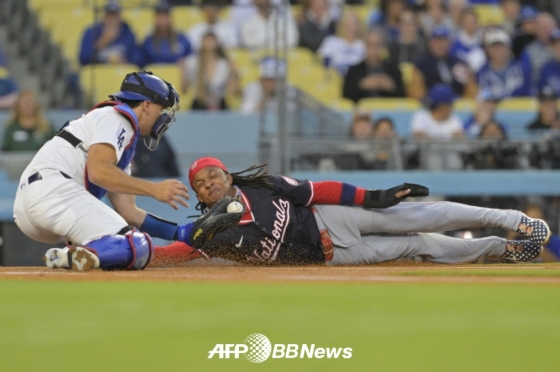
(367, 236)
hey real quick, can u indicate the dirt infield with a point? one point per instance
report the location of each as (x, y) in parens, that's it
(391, 272)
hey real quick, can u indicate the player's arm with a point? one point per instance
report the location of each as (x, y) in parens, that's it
(157, 227)
(125, 205)
(340, 193)
(102, 170)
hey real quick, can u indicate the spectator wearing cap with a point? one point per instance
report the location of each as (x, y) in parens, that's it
(550, 73)
(525, 33)
(548, 117)
(164, 45)
(8, 86)
(468, 44)
(341, 52)
(538, 53)
(109, 41)
(270, 27)
(261, 95)
(511, 10)
(373, 77)
(438, 66)
(212, 74)
(484, 112)
(316, 24)
(502, 75)
(410, 43)
(387, 17)
(224, 30)
(437, 121)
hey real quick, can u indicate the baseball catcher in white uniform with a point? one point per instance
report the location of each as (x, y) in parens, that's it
(58, 197)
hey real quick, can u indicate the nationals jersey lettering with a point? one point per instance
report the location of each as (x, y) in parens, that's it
(282, 219)
(269, 251)
(282, 230)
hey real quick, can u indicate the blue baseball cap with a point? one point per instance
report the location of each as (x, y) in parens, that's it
(112, 7)
(440, 32)
(440, 94)
(162, 7)
(527, 13)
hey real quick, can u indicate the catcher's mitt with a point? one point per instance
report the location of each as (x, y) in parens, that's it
(214, 222)
(388, 198)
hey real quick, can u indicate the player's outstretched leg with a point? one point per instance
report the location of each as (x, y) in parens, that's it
(130, 251)
(433, 247)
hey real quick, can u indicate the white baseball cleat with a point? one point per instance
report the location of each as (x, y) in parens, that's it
(75, 259)
(536, 230)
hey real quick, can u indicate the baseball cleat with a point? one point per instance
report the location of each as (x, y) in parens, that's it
(536, 230)
(521, 251)
(75, 259)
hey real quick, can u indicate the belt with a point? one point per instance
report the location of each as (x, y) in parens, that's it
(37, 177)
(326, 241)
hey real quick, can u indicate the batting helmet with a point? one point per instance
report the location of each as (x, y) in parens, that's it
(145, 86)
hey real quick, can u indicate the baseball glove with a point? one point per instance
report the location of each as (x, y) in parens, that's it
(217, 220)
(388, 198)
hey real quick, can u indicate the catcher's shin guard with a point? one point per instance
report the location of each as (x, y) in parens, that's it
(131, 251)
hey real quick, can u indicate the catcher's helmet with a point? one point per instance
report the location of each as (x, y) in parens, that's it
(145, 86)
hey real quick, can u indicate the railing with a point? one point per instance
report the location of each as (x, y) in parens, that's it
(329, 154)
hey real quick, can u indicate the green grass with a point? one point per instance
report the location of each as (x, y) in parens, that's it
(518, 273)
(149, 326)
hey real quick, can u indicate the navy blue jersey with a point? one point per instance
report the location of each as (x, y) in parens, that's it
(279, 227)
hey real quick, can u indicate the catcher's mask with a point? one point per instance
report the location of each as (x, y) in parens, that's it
(142, 86)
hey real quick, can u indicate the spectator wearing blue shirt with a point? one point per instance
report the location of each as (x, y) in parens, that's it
(387, 17)
(109, 41)
(538, 53)
(468, 46)
(8, 87)
(502, 75)
(550, 73)
(165, 45)
(438, 66)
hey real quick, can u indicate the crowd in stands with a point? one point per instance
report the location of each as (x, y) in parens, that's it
(404, 48)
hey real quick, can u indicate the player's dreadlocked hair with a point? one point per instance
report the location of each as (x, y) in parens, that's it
(257, 179)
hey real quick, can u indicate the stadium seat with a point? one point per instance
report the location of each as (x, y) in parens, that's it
(301, 57)
(370, 104)
(406, 72)
(489, 15)
(99, 81)
(246, 65)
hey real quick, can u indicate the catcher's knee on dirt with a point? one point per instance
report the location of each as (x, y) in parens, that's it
(130, 251)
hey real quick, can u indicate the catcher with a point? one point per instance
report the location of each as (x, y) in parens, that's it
(291, 222)
(59, 194)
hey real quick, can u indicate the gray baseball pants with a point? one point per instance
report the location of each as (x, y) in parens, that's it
(366, 236)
